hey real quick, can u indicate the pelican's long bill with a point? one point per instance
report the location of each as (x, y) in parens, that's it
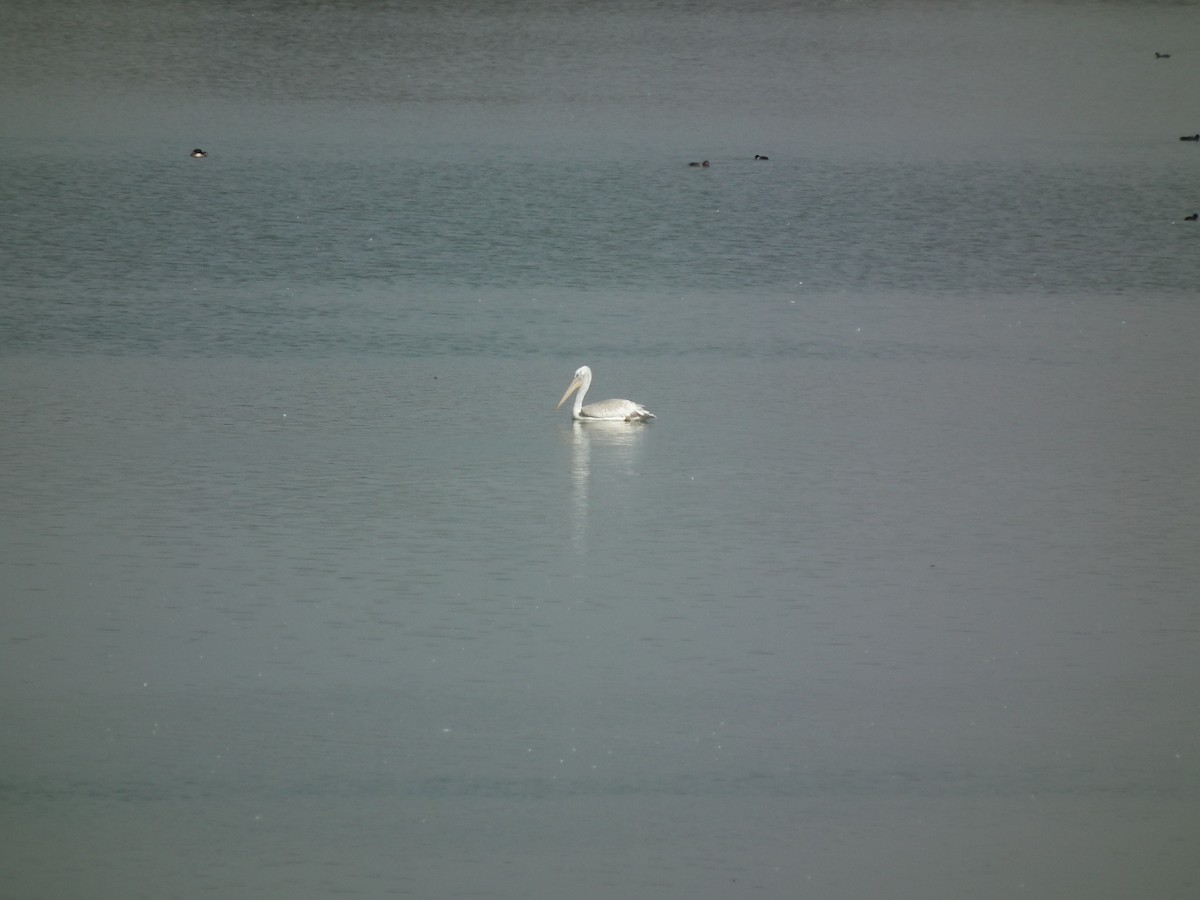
(601, 410)
(576, 384)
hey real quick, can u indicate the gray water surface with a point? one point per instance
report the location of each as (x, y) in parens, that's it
(309, 592)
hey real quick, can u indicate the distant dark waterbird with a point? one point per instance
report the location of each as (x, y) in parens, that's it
(1162, 55)
(199, 154)
(1190, 137)
(1194, 217)
(701, 165)
(760, 156)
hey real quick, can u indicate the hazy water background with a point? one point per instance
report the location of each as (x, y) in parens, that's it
(308, 592)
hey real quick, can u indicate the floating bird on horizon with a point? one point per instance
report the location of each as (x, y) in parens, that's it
(1162, 55)
(1194, 217)
(601, 410)
(199, 154)
(1190, 137)
(702, 165)
(759, 156)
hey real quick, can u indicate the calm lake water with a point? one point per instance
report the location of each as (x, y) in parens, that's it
(309, 592)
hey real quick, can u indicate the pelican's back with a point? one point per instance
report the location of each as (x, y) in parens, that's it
(616, 410)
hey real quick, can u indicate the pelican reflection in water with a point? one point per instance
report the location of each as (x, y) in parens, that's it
(601, 410)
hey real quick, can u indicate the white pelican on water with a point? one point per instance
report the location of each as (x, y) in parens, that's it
(601, 410)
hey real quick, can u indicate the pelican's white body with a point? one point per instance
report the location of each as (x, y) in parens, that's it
(601, 410)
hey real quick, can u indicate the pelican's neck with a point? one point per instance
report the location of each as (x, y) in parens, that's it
(584, 384)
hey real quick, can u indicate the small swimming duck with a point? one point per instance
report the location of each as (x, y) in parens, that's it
(199, 154)
(760, 156)
(701, 165)
(1190, 137)
(1162, 55)
(1194, 217)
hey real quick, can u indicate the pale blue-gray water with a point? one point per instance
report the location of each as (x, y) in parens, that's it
(310, 592)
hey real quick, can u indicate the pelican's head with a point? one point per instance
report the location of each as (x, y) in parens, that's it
(583, 377)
